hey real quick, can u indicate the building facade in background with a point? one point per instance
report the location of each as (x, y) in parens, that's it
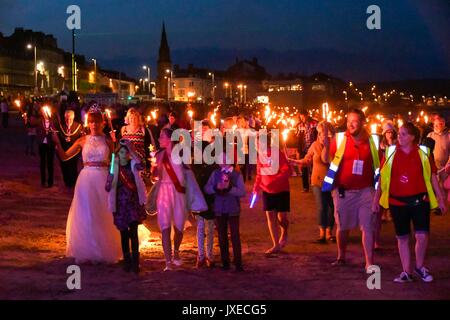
(25, 50)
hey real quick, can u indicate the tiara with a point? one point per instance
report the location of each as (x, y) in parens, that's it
(95, 109)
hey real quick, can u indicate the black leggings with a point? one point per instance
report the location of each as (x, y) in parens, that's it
(223, 222)
(130, 235)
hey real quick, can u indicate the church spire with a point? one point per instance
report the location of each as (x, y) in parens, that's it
(164, 50)
(163, 81)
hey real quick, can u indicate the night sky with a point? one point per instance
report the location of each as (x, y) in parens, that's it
(299, 36)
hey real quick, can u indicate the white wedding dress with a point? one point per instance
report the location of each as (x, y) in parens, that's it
(90, 232)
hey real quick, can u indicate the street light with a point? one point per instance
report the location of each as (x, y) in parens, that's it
(240, 93)
(346, 100)
(226, 85)
(245, 93)
(95, 74)
(29, 47)
(144, 81)
(211, 74)
(148, 76)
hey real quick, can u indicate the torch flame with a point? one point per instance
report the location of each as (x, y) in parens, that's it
(373, 128)
(285, 134)
(325, 110)
(47, 112)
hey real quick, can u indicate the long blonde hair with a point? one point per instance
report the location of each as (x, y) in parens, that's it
(331, 130)
(131, 112)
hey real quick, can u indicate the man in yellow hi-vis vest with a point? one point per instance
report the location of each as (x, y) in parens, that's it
(351, 177)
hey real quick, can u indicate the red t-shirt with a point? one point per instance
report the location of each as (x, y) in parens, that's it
(407, 174)
(275, 183)
(354, 151)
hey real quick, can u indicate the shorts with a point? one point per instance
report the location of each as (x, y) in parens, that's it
(279, 202)
(403, 215)
(354, 210)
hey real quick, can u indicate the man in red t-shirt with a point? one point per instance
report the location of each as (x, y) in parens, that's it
(353, 187)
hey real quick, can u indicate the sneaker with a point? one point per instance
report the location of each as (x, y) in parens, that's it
(424, 274)
(404, 277)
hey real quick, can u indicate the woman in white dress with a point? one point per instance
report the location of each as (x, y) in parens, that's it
(90, 232)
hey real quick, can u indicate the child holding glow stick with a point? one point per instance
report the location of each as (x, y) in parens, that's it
(127, 197)
(227, 186)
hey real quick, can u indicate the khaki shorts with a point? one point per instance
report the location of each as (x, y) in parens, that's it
(354, 210)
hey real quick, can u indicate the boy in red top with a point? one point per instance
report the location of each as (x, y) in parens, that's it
(276, 195)
(353, 187)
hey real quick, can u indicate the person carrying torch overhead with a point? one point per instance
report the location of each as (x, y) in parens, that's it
(46, 147)
(306, 133)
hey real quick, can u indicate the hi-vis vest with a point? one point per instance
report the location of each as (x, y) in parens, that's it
(386, 176)
(341, 140)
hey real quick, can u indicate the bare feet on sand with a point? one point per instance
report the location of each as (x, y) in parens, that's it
(273, 250)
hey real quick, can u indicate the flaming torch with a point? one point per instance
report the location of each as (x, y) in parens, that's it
(325, 110)
(47, 112)
(373, 128)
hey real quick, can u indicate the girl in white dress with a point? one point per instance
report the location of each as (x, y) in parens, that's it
(171, 200)
(90, 232)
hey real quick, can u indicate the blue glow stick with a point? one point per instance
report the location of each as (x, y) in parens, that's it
(111, 170)
(252, 203)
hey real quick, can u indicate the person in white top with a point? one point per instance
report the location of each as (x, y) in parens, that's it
(171, 200)
(90, 232)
